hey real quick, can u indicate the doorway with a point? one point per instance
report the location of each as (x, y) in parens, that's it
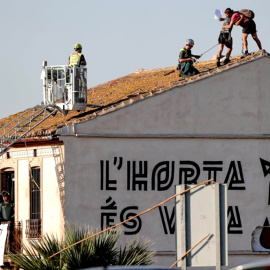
(7, 183)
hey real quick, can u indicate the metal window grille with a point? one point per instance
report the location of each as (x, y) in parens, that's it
(33, 225)
(33, 228)
(35, 194)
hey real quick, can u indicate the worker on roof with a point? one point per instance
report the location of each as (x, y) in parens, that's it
(225, 38)
(77, 59)
(249, 27)
(185, 62)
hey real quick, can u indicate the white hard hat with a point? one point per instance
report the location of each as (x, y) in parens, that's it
(190, 42)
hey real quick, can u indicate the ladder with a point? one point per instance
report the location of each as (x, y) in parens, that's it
(23, 124)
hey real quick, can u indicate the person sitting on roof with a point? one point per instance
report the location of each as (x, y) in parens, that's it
(77, 59)
(249, 27)
(225, 38)
(185, 65)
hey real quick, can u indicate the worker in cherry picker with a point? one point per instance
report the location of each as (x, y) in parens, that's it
(77, 59)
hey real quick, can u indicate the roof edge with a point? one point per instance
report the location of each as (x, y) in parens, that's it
(66, 131)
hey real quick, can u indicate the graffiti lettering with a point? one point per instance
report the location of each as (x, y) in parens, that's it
(109, 184)
(168, 221)
(109, 214)
(212, 167)
(107, 217)
(134, 180)
(266, 170)
(189, 175)
(134, 225)
(163, 175)
(234, 220)
(235, 177)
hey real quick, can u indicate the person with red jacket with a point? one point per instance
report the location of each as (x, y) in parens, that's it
(249, 27)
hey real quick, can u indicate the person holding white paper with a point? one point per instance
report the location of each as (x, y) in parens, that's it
(225, 38)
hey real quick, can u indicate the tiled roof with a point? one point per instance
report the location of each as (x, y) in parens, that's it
(131, 88)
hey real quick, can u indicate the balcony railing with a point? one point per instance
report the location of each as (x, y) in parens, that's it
(33, 228)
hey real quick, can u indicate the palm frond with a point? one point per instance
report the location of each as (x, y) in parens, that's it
(137, 253)
(101, 250)
(36, 254)
(97, 251)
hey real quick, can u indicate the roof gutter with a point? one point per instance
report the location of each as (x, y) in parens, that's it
(182, 136)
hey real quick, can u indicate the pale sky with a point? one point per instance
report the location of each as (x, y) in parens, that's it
(118, 37)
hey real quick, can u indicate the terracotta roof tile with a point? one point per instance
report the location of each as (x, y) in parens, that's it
(134, 87)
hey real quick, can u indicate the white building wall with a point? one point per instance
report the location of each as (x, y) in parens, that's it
(219, 123)
(52, 214)
(22, 199)
(50, 160)
(238, 161)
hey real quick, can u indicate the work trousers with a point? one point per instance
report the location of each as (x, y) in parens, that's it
(189, 70)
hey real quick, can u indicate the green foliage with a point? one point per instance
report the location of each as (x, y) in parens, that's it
(36, 255)
(137, 253)
(101, 250)
(97, 251)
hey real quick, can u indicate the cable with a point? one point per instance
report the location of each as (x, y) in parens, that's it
(127, 220)
(185, 254)
(209, 50)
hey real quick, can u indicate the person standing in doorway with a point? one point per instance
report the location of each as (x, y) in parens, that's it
(7, 213)
(6, 208)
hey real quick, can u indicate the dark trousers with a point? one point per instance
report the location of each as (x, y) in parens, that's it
(189, 70)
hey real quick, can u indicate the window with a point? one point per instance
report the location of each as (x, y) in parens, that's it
(35, 194)
(33, 226)
(7, 182)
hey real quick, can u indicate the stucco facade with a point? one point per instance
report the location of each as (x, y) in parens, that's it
(40, 214)
(126, 161)
(108, 164)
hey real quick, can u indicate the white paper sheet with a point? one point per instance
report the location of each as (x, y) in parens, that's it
(218, 14)
(3, 237)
